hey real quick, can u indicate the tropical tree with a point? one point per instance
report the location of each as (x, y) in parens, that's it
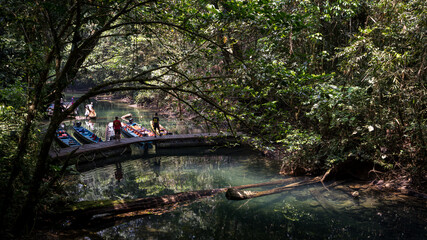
(62, 42)
(386, 61)
(327, 81)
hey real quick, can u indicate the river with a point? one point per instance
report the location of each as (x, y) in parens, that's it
(309, 212)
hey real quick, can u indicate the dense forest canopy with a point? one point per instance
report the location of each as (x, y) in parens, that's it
(327, 83)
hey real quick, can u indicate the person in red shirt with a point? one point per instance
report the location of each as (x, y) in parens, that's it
(116, 126)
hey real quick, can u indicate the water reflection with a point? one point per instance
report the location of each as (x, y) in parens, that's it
(118, 172)
(309, 212)
(90, 125)
(107, 110)
(218, 218)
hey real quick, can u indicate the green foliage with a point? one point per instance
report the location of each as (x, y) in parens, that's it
(336, 107)
(13, 95)
(12, 100)
(340, 114)
(10, 125)
(327, 82)
(385, 58)
(333, 82)
(11, 121)
(296, 140)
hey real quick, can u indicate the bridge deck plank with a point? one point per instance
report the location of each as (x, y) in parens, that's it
(94, 147)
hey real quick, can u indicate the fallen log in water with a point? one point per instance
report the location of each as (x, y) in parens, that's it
(89, 209)
(277, 182)
(235, 194)
(84, 212)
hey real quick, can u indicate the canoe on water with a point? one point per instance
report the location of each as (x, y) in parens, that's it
(135, 130)
(162, 131)
(126, 116)
(85, 135)
(64, 139)
(130, 130)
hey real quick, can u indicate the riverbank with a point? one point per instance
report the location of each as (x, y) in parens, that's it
(387, 182)
(343, 201)
(374, 180)
(378, 179)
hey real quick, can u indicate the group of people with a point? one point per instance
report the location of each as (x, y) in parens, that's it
(117, 126)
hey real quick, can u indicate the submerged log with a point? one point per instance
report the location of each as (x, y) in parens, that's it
(85, 212)
(277, 182)
(116, 207)
(88, 209)
(236, 194)
(330, 209)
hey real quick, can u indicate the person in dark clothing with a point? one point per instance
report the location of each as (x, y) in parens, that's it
(156, 124)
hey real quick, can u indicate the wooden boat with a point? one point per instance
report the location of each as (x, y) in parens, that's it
(129, 132)
(64, 139)
(126, 116)
(135, 130)
(140, 129)
(85, 135)
(162, 131)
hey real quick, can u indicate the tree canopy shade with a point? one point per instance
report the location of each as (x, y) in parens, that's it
(57, 42)
(326, 81)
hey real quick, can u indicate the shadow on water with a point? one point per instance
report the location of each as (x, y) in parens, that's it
(308, 212)
(107, 110)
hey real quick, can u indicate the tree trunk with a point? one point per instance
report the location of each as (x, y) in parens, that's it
(82, 212)
(17, 161)
(235, 194)
(85, 210)
(17, 166)
(27, 215)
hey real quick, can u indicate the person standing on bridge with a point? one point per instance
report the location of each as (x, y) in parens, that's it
(156, 125)
(116, 126)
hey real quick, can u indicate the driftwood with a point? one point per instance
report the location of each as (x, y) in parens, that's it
(277, 182)
(318, 195)
(236, 194)
(86, 210)
(84, 213)
(330, 208)
(323, 202)
(101, 214)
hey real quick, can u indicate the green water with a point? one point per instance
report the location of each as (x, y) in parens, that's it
(106, 111)
(309, 212)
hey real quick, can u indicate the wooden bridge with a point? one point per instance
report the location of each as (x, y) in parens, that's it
(114, 148)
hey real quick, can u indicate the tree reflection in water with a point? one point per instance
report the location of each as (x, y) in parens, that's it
(295, 214)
